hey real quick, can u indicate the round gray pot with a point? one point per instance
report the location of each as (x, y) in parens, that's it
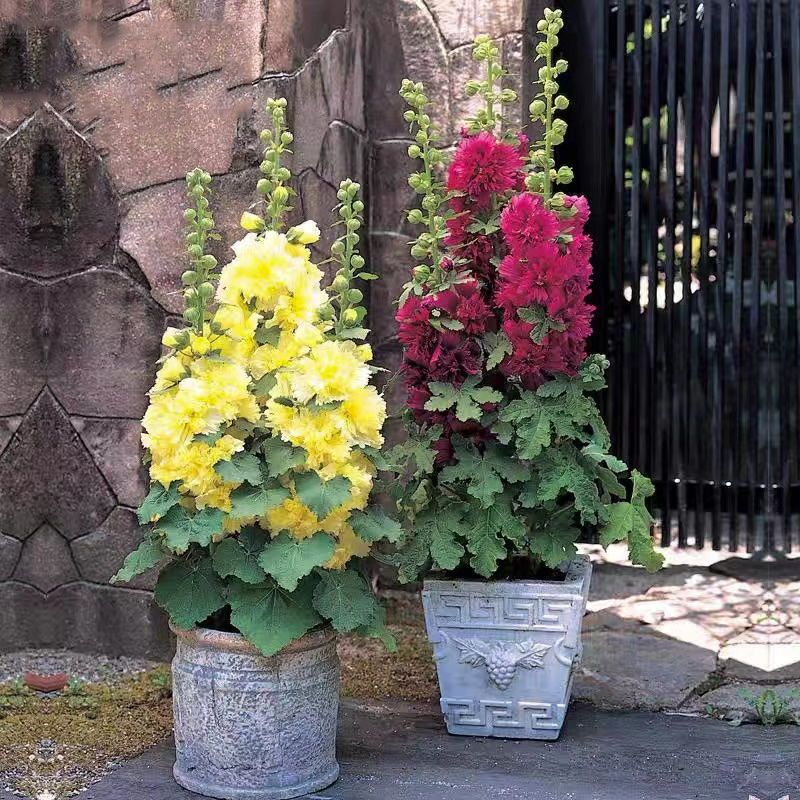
(506, 651)
(249, 727)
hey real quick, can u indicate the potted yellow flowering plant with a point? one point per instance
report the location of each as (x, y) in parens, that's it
(260, 437)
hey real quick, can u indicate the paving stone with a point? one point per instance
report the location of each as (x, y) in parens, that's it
(172, 72)
(99, 554)
(638, 670)
(296, 28)
(21, 360)
(390, 194)
(387, 751)
(738, 700)
(608, 620)
(461, 22)
(58, 208)
(102, 361)
(45, 561)
(8, 426)
(461, 68)
(390, 254)
(425, 59)
(50, 476)
(116, 449)
(387, 69)
(84, 617)
(342, 155)
(9, 555)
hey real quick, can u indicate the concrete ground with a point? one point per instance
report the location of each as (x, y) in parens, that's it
(401, 752)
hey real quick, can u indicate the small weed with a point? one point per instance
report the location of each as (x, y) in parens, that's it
(770, 707)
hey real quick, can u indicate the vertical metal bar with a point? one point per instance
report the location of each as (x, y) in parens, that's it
(783, 309)
(720, 289)
(616, 387)
(638, 420)
(700, 421)
(738, 255)
(651, 414)
(686, 273)
(794, 37)
(670, 466)
(754, 475)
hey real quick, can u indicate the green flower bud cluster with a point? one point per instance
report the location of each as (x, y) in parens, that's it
(495, 97)
(274, 177)
(345, 310)
(427, 183)
(544, 174)
(198, 287)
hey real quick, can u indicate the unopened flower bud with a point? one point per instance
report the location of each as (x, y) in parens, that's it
(252, 222)
(350, 317)
(340, 284)
(189, 278)
(306, 233)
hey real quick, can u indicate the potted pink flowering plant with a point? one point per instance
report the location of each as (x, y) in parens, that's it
(508, 458)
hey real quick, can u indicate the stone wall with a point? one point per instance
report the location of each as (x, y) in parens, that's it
(103, 109)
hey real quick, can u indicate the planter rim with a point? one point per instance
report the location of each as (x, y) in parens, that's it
(236, 643)
(577, 571)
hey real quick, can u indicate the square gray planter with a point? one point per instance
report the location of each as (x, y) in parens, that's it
(506, 651)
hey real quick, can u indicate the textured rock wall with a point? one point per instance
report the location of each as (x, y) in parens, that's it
(103, 109)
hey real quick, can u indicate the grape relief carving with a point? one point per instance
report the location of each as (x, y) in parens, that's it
(501, 659)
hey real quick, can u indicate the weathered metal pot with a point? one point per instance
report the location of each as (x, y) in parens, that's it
(506, 651)
(249, 727)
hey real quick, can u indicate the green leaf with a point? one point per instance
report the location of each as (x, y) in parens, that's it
(498, 346)
(288, 559)
(555, 542)
(354, 333)
(377, 630)
(467, 399)
(158, 501)
(562, 471)
(180, 529)
(237, 556)
(373, 524)
(484, 543)
(345, 598)
(145, 556)
(321, 496)
(632, 521)
(210, 438)
(485, 473)
(281, 456)
(265, 384)
(189, 592)
(270, 336)
(243, 467)
(536, 315)
(255, 501)
(270, 617)
(596, 453)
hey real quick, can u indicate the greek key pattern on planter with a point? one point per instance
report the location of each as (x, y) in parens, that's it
(504, 714)
(501, 659)
(473, 611)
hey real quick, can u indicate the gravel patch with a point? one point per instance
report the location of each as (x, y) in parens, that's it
(87, 667)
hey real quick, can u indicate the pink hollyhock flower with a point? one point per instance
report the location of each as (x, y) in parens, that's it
(525, 221)
(463, 303)
(454, 358)
(575, 223)
(482, 166)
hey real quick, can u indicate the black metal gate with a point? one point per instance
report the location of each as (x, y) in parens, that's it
(686, 137)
